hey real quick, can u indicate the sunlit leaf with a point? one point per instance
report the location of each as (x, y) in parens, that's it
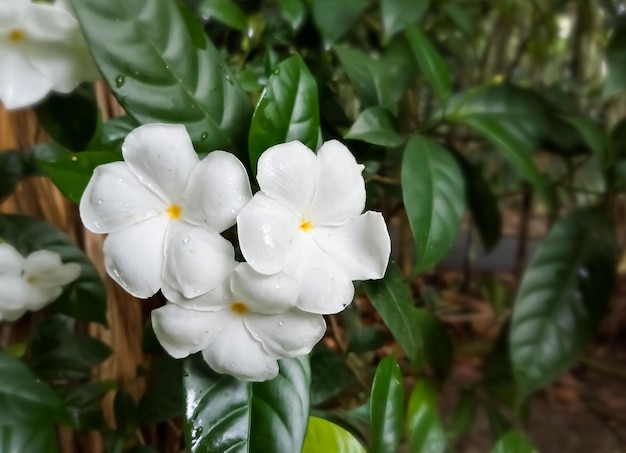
(323, 436)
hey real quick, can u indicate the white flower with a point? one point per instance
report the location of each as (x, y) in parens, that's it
(242, 327)
(164, 209)
(33, 282)
(41, 50)
(305, 221)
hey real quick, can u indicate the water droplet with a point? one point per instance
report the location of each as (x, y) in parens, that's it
(117, 272)
(74, 158)
(97, 224)
(126, 205)
(120, 80)
(99, 202)
(280, 323)
(150, 212)
(185, 374)
(232, 364)
(229, 79)
(204, 136)
(186, 240)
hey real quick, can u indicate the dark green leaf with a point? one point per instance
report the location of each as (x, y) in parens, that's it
(616, 63)
(330, 376)
(225, 414)
(387, 406)
(434, 198)
(323, 436)
(426, 434)
(70, 119)
(430, 62)
(225, 11)
(594, 137)
(162, 68)
(164, 397)
(71, 172)
(376, 126)
(113, 134)
(436, 343)
(463, 415)
(288, 110)
(513, 442)
(498, 423)
(10, 172)
(397, 14)
(28, 438)
(334, 18)
(293, 11)
(563, 295)
(84, 403)
(85, 298)
(498, 380)
(125, 408)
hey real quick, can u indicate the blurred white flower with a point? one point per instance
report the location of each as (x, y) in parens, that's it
(33, 282)
(242, 327)
(306, 221)
(41, 50)
(164, 209)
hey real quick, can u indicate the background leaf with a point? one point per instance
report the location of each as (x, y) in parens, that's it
(616, 63)
(10, 172)
(397, 14)
(376, 126)
(323, 436)
(225, 11)
(513, 442)
(334, 18)
(387, 406)
(425, 431)
(293, 11)
(28, 438)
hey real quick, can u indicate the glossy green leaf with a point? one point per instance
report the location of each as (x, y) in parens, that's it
(225, 414)
(463, 416)
(397, 14)
(28, 438)
(434, 198)
(71, 172)
(10, 172)
(593, 136)
(323, 436)
(616, 63)
(84, 403)
(513, 442)
(330, 376)
(70, 119)
(225, 11)
(85, 298)
(426, 434)
(288, 110)
(431, 63)
(376, 126)
(162, 68)
(113, 133)
(293, 11)
(387, 406)
(562, 296)
(514, 150)
(333, 18)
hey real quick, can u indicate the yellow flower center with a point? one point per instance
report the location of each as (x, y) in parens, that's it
(17, 34)
(239, 307)
(31, 279)
(174, 212)
(306, 225)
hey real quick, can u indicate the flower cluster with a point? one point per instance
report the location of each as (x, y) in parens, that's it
(41, 50)
(303, 237)
(33, 282)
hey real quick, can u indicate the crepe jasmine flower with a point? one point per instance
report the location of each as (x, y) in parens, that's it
(306, 221)
(242, 327)
(41, 50)
(164, 209)
(33, 282)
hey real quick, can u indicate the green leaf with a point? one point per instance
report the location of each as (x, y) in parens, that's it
(330, 376)
(397, 14)
(434, 198)
(84, 403)
(426, 434)
(513, 442)
(430, 62)
(482, 203)
(463, 415)
(514, 150)
(436, 343)
(376, 126)
(28, 438)
(323, 436)
(225, 11)
(288, 110)
(563, 295)
(225, 414)
(164, 397)
(85, 298)
(615, 63)
(333, 18)
(125, 408)
(10, 172)
(113, 134)
(293, 11)
(386, 406)
(498, 423)
(162, 68)
(70, 119)
(71, 172)
(594, 137)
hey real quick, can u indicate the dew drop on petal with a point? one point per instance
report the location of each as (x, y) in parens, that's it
(186, 240)
(99, 202)
(232, 364)
(97, 224)
(150, 212)
(280, 323)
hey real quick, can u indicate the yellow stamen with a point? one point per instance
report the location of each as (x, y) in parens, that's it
(31, 279)
(174, 212)
(17, 34)
(306, 225)
(239, 307)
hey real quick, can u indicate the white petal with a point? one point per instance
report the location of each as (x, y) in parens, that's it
(324, 286)
(286, 172)
(21, 84)
(45, 269)
(16, 293)
(288, 334)
(182, 332)
(48, 23)
(340, 190)
(196, 259)
(217, 191)
(235, 352)
(134, 257)
(12, 315)
(361, 246)
(114, 199)
(12, 13)
(162, 157)
(11, 262)
(266, 230)
(43, 295)
(218, 298)
(268, 294)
